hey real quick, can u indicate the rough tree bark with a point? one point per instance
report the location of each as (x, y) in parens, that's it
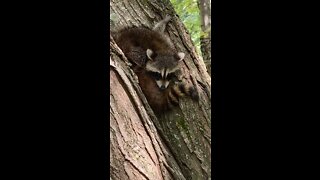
(205, 39)
(176, 145)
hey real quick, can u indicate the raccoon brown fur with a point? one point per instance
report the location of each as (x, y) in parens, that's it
(156, 63)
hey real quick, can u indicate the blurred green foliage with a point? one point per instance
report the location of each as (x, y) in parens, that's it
(189, 14)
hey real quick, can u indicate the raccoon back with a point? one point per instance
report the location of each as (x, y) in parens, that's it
(136, 40)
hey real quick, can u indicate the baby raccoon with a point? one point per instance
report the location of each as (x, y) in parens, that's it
(155, 63)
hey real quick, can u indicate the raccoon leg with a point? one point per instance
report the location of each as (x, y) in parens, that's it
(180, 90)
(189, 90)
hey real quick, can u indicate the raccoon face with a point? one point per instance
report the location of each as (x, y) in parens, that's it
(162, 67)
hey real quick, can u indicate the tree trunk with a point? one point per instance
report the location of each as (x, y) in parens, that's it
(143, 146)
(205, 39)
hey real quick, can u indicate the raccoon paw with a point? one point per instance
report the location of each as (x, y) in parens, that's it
(194, 94)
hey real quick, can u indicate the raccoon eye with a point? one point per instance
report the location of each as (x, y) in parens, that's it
(155, 75)
(171, 76)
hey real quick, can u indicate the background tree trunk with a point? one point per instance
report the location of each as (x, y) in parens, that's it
(176, 145)
(205, 38)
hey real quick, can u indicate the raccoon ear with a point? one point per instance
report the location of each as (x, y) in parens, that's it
(180, 56)
(150, 54)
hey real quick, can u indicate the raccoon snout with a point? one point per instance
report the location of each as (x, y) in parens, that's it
(162, 84)
(162, 87)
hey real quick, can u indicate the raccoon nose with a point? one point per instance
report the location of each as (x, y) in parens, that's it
(163, 87)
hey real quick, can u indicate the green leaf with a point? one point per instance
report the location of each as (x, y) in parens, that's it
(189, 14)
